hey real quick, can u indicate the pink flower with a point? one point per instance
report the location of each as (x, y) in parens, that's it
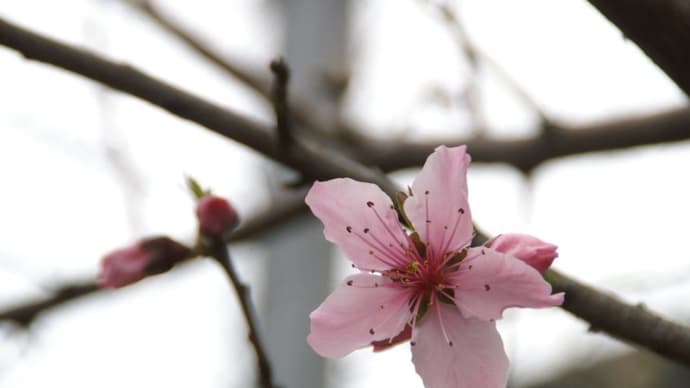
(531, 250)
(130, 264)
(430, 281)
(216, 215)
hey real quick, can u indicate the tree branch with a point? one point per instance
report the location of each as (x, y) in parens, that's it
(24, 314)
(279, 97)
(634, 324)
(525, 155)
(254, 80)
(301, 156)
(670, 126)
(661, 28)
(314, 163)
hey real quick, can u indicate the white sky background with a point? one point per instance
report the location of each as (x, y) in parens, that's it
(620, 218)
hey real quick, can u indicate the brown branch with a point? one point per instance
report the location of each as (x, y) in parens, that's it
(217, 249)
(279, 97)
(661, 28)
(254, 80)
(25, 313)
(305, 159)
(308, 158)
(669, 126)
(634, 324)
(276, 215)
(257, 81)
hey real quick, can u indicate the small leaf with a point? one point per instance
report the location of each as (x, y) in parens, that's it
(196, 188)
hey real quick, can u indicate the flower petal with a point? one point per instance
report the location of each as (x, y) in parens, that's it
(438, 208)
(475, 360)
(489, 281)
(364, 309)
(361, 219)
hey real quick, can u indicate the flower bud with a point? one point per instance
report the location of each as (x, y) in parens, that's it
(216, 215)
(130, 264)
(531, 250)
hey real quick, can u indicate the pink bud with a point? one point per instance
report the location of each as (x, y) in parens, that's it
(130, 264)
(531, 250)
(124, 266)
(216, 215)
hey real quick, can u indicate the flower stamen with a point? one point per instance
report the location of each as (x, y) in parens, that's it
(440, 321)
(385, 226)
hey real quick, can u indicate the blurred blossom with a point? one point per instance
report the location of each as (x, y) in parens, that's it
(429, 286)
(216, 215)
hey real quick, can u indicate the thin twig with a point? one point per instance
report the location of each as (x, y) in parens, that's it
(279, 97)
(218, 250)
(305, 159)
(257, 81)
(476, 57)
(472, 90)
(26, 312)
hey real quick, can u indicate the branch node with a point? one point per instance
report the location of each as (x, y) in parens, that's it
(279, 97)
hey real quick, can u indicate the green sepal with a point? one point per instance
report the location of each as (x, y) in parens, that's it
(400, 199)
(417, 241)
(423, 308)
(457, 257)
(195, 188)
(444, 299)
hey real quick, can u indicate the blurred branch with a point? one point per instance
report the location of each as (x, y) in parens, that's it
(257, 81)
(219, 251)
(254, 80)
(634, 324)
(283, 212)
(310, 159)
(525, 155)
(24, 314)
(473, 92)
(476, 57)
(321, 164)
(659, 28)
(279, 97)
